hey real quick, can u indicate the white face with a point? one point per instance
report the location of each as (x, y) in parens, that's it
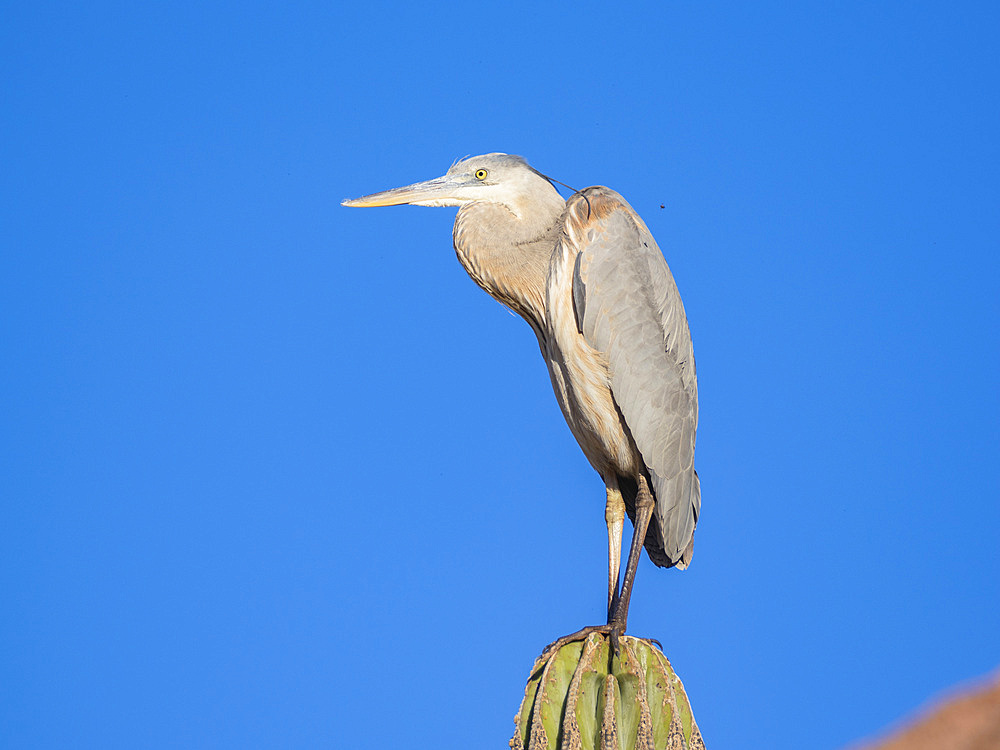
(498, 178)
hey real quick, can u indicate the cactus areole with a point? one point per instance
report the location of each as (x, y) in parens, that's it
(584, 697)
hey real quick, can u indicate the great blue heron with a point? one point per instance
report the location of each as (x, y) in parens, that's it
(591, 282)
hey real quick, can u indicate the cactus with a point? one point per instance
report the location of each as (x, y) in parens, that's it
(581, 697)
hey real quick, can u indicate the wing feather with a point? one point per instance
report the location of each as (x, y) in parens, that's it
(628, 308)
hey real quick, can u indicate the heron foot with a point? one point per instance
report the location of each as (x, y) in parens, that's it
(614, 631)
(579, 635)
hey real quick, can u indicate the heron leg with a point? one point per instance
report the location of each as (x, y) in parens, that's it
(643, 512)
(614, 515)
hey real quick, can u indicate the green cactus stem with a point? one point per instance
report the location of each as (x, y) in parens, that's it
(582, 697)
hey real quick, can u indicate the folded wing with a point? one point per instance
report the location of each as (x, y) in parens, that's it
(627, 307)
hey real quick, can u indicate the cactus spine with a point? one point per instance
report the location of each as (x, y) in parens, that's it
(581, 697)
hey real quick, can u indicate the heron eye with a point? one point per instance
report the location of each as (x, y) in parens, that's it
(481, 174)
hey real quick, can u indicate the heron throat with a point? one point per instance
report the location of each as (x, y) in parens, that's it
(508, 256)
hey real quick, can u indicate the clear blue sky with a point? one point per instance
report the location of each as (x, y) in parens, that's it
(275, 473)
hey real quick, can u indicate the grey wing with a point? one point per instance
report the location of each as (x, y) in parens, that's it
(628, 308)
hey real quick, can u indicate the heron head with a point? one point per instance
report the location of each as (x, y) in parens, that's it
(494, 178)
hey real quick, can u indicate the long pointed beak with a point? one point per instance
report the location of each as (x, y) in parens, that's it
(436, 192)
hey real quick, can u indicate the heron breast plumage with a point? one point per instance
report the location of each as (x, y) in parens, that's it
(581, 379)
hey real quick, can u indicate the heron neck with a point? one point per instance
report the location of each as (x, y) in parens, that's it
(508, 256)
